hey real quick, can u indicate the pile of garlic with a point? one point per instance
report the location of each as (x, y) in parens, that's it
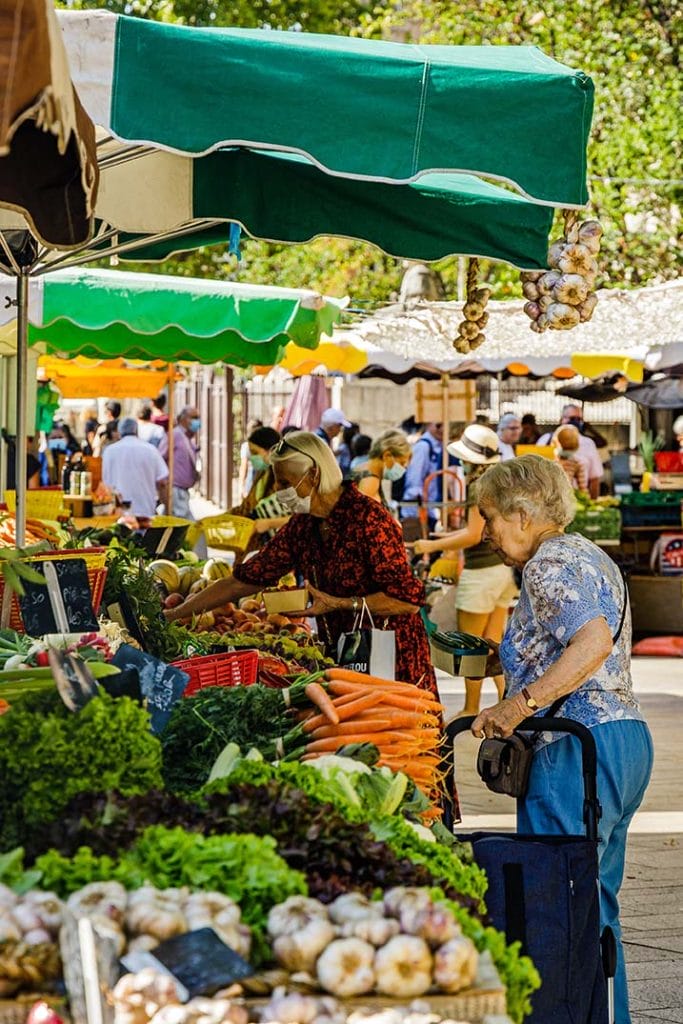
(470, 330)
(33, 918)
(402, 946)
(150, 996)
(564, 296)
(141, 919)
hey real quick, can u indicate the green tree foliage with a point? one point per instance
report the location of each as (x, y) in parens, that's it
(631, 48)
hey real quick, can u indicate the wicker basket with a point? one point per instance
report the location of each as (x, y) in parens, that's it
(95, 560)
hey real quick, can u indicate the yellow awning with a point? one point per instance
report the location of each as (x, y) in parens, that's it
(595, 363)
(113, 378)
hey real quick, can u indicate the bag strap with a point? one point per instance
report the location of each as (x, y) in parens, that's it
(557, 704)
(364, 610)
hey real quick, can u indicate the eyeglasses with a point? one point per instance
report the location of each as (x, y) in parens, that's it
(284, 443)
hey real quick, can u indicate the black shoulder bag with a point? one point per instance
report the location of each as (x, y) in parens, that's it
(504, 765)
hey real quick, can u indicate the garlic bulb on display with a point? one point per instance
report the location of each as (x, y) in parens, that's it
(404, 967)
(299, 951)
(401, 898)
(353, 906)
(293, 1008)
(435, 924)
(571, 288)
(569, 282)
(468, 329)
(346, 968)
(295, 913)
(375, 930)
(455, 964)
(562, 317)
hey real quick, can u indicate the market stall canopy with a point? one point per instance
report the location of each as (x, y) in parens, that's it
(120, 378)
(107, 313)
(626, 326)
(48, 160)
(413, 109)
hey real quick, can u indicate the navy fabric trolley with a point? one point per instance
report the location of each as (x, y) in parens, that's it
(543, 892)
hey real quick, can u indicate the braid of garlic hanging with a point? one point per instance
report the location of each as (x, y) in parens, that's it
(564, 296)
(470, 331)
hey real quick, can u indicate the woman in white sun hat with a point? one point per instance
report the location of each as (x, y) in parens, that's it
(486, 587)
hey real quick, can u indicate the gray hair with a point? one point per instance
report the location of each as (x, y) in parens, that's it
(128, 426)
(508, 420)
(299, 449)
(678, 425)
(393, 441)
(533, 485)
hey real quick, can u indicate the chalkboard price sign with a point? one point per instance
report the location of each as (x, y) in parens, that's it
(201, 962)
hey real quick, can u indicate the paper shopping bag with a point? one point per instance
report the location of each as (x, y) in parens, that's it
(370, 651)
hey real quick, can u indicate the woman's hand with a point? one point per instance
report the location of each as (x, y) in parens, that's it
(501, 720)
(425, 547)
(322, 603)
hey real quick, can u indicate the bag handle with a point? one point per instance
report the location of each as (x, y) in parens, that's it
(364, 610)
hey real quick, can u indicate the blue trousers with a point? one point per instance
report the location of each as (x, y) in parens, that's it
(554, 806)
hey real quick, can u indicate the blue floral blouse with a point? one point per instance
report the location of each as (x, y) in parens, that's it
(567, 583)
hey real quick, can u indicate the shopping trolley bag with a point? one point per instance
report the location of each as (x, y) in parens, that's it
(543, 892)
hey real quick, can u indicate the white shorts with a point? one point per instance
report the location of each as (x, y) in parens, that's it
(480, 591)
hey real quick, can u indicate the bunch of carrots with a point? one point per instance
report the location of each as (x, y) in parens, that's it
(401, 720)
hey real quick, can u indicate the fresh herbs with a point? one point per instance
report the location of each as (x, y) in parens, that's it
(49, 754)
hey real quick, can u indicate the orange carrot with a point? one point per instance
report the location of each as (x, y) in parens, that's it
(340, 688)
(350, 729)
(347, 711)
(397, 700)
(332, 742)
(399, 719)
(345, 675)
(317, 696)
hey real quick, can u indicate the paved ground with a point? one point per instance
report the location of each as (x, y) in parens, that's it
(652, 895)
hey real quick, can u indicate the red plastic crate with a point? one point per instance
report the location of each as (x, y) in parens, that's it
(233, 668)
(669, 462)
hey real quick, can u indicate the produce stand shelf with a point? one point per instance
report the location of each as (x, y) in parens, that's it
(475, 1005)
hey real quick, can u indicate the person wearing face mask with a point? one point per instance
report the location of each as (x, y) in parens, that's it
(261, 503)
(185, 452)
(345, 545)
(486, 587)
(388, 459)
(571, 414)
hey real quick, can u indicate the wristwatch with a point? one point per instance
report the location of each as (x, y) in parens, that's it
(530, 702)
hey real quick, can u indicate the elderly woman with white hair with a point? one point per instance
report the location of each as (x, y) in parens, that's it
(345, 545)
(569, 637)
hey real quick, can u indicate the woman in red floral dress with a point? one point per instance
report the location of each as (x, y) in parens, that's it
(346, 546)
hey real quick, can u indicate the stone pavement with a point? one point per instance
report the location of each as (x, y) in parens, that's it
(652, 894)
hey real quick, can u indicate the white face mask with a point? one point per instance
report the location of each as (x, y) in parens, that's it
(292, 502)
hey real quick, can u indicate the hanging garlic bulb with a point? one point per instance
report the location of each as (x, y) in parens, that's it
(474, 312)
(563, 297)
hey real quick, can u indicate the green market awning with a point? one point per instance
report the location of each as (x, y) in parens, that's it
(357, 108)
(284, 198)
(105, 314)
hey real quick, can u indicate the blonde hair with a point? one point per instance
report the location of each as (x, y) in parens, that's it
(393, 441)
(299, 449)
(535, 486)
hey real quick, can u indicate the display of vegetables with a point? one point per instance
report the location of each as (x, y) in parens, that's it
(48, 755)
(564, 296)
(152, 996)
(403, 946)
(401, 720)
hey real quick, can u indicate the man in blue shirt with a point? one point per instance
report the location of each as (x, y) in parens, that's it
(427, 458)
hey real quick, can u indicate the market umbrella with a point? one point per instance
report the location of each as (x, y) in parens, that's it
(103, 313)
(666, 393)
(414, 109)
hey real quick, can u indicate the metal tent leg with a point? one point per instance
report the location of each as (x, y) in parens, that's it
(20, 458)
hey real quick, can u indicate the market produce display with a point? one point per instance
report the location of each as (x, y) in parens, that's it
(403, 946)
(565, 295)
(315, 784)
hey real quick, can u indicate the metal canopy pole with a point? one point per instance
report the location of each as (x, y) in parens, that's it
(171, 435)
(20, 455)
